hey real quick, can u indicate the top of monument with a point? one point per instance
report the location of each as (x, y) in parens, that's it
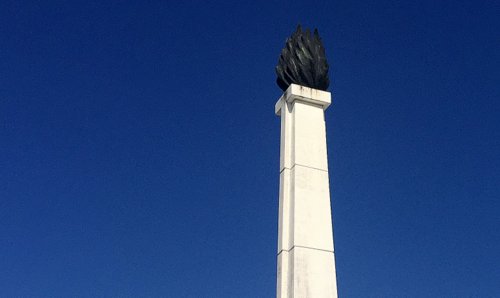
(303, 61)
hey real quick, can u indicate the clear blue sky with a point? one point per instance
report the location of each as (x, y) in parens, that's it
(139, 150)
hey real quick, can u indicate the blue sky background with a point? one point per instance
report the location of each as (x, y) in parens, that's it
(139, 150)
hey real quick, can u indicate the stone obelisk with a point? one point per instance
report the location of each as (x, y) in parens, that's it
(306, 263)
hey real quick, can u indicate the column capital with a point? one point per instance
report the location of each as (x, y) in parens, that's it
(305, 94)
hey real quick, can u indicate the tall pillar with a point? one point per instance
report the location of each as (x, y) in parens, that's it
(306, 264)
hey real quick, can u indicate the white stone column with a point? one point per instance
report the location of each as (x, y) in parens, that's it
(306, 264)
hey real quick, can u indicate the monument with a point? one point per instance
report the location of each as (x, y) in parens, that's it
(306, 263)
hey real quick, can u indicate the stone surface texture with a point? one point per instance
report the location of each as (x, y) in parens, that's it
(306, 263)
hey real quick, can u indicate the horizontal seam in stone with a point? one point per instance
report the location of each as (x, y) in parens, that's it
(300, 246)
(296, 164)
(308, 167)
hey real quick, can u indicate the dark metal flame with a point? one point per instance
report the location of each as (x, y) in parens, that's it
(303, 61)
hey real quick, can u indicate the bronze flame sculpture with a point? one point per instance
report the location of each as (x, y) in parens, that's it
(303, 61)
